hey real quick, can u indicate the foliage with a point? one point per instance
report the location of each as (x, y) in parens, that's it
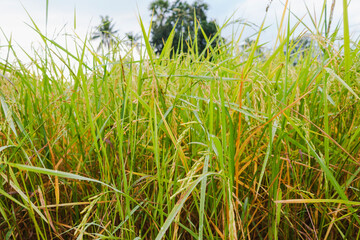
(248, 45)
(181, 16)
(105, 32)
(300, 47)
(132, 38)
(180, 148)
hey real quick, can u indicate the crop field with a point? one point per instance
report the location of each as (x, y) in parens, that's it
(229, 143)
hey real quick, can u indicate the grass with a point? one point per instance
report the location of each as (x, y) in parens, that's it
(235, 147)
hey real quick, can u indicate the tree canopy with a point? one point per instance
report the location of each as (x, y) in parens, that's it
(180, 15)
(105, 32)
(301, 45)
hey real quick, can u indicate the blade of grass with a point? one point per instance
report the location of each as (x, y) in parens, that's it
(179, 205)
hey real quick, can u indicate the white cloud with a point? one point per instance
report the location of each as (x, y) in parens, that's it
(254, 11)
(125, 13)
(14, 19)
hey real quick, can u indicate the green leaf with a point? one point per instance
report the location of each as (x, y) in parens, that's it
(333, 74)
(179, 205)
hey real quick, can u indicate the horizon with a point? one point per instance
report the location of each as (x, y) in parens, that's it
(80, 18)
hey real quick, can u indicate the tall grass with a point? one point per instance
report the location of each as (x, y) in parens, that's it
(189, 147)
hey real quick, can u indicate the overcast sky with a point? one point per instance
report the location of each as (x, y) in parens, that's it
(14, 19)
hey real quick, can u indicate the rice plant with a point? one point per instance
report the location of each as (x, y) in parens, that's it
(182, 145)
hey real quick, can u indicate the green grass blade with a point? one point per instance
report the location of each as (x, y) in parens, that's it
(179, 205)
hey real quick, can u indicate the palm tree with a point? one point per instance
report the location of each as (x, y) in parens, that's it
(246, 48)
(160, 9)
(105, 32)
(302, 45)
(132, 38)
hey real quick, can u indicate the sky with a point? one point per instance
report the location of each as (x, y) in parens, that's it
(15, 16)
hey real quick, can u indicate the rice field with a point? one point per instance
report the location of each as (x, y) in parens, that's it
(222, 144)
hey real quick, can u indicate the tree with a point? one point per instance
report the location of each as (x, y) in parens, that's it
(105, 32)
(301, 46)
(180, 15)
(246, 48)
(132, 38)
